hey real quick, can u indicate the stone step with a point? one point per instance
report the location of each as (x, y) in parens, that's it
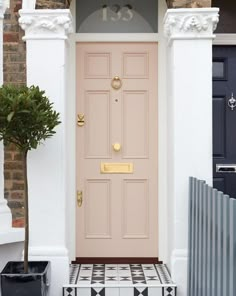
(119, 280)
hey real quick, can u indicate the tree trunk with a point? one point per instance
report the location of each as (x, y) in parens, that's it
(26, 244)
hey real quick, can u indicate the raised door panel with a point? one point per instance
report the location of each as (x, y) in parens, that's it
(97, 128)
(136, 65)
(97, 209)
(135, 209)
(219, 127)
(97, 65)
(135, 124)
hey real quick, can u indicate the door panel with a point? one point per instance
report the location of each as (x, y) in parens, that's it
(98, 223)
(135, 65)
(135, 144)
(97, 137)
(118, 217)
(135, 209)
(224, 118)
(97, 65)
(219, 131)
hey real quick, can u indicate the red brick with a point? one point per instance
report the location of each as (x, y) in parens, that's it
(10, 37)
(18, 222)
(18, 7)
(17, 195)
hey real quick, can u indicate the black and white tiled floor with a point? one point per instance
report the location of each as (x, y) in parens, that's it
(119, 280)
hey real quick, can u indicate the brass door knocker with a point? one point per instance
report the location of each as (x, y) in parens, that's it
(116, 83)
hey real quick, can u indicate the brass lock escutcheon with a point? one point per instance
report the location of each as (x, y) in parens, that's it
(80, 119)
(116, 83)
(79, 198)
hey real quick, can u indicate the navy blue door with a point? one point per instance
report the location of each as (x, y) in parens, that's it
(224, 119)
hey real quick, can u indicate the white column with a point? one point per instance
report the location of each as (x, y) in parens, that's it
(189, 74)
(46, 34)
(28, 4)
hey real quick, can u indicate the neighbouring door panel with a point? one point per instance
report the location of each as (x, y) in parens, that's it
(224, 119)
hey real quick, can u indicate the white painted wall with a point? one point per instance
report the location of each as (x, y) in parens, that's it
(10, 252)
(28, 4)
(189, 32)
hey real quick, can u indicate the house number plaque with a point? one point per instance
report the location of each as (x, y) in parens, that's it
(117, 12)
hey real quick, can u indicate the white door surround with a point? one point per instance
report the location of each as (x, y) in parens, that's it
(162, 109)
(189, 33)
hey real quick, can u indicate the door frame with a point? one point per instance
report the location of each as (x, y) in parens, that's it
(163, 236)
(225, 39)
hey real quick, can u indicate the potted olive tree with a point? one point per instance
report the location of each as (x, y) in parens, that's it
(27, 119)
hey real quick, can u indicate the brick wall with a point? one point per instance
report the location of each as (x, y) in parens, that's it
(52, 4)
(14, 72)
(14, 67)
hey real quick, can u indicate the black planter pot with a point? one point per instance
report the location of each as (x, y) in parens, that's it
(14, 282)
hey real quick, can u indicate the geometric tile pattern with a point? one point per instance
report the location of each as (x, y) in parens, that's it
(119, 280)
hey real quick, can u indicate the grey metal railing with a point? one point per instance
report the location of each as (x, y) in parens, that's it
(212, 241)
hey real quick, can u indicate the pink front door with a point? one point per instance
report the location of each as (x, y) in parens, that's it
(117, 149)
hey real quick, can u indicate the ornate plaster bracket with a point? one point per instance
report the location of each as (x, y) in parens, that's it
(46, 23)
(198, 23)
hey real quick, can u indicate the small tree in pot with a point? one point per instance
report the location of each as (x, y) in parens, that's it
(27, 119)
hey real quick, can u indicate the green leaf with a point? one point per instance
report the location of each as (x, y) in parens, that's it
(10, 115)
(27, 117)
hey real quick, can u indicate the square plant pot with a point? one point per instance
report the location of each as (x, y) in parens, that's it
(14, 282)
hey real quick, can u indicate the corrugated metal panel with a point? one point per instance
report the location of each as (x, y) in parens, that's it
(212, 241)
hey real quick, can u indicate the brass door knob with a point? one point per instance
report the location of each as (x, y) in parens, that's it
(116, 147)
